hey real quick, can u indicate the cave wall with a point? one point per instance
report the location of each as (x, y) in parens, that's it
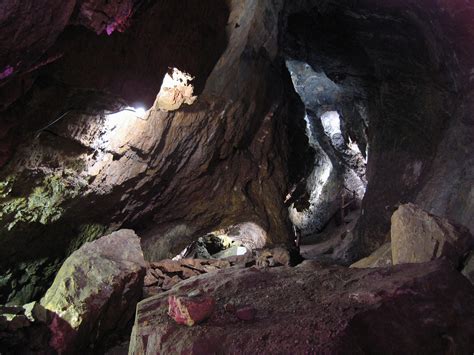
(70, 171)
(172, 176)
(407, 65)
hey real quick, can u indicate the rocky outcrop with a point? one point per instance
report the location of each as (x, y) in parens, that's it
(418, 236)
(174, 175)
(380, 258)
(405, 92)
(311, 309)
(94, 294)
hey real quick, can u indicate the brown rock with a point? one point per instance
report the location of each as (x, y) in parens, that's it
(187, 272)
(169, 282)
(418, 236)
(150, 280)
(168, 266)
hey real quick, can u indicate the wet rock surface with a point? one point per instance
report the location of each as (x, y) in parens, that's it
(316, 309)
(95, 292)
(418, 236)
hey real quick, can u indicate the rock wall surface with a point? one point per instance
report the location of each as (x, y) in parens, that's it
(74, 168)
(406, 66)
(78, 170)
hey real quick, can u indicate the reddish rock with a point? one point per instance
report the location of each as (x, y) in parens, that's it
(246, 313)
(309, 309)
(190, 310)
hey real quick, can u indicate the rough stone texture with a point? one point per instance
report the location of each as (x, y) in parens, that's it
(416, 308)
(190, 310)
(221, 161)
(335, 165)
(409, 81)
(105, 16)
(95, 292)
(418, 236)
(382, 257)
(23, 330)
(403, 67)
(163, 275)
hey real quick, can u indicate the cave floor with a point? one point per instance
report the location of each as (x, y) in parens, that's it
(321, 246)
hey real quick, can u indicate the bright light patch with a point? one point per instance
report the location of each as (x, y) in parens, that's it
(128, 113)
(175, 91)
(331, 123)
(140, 112)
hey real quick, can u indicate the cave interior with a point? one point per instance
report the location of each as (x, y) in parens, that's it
(237, 176)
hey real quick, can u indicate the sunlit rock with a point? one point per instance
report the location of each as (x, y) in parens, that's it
(175, 91)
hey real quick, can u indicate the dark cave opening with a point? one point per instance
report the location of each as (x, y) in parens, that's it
(170, 163)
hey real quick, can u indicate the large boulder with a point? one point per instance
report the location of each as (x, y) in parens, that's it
(95, 292)
(405, 309)
(418, 236)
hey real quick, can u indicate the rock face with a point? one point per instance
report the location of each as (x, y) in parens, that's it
(95, 292)
(418, 132)
(418, 236)
(380, 258)
(177, 175)
(422, 308)
(23, 330)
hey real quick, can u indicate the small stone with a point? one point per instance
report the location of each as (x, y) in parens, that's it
(169, 282)
(168, 266)
(194, 293)
(246, 313)
(190, 311)
(150, 280)
(229, 307)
